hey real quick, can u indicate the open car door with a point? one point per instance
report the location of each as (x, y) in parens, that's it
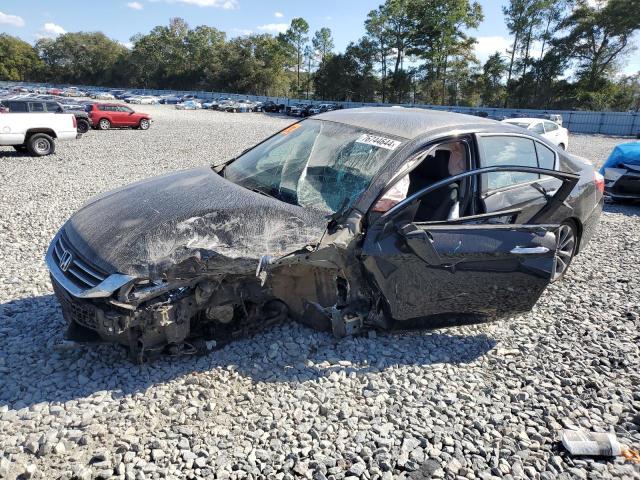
(480, 265)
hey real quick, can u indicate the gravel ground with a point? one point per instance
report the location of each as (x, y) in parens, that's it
(478, 401)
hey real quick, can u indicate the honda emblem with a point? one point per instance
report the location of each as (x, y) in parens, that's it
(65, 260)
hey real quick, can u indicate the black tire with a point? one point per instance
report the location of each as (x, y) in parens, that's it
(562, 146)
(83, 126)
(20, 148)
(104, 124)
(40, 144)
(566, 246)
(144, 124)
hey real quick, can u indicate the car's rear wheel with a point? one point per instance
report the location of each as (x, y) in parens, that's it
(40, 144)
(144, 124)
(562, 146)
(566, 244)
(83, 126)
(104, 124)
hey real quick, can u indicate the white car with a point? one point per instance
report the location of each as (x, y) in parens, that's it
(553, 132)
(35, 132)
(189, 105)
(144, 100)
(103, 96)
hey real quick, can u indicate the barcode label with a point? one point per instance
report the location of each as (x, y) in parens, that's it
(381, 142)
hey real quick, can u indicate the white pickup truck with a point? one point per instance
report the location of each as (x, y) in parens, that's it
(36, 132)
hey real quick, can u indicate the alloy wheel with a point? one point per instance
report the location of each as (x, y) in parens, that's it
(104, 124)
(565, 248)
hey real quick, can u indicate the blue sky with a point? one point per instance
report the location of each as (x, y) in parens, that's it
(120, 19)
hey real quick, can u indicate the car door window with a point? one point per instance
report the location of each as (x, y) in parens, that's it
(125, 110)
(53, 107)
(36, 107)
(550, 127)
(546, 156)
(501, 151)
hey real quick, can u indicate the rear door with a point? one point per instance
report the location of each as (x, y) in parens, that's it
(515, 189)
(485, 264)
(126, 116)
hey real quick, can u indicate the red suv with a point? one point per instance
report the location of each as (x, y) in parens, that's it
(107, 115)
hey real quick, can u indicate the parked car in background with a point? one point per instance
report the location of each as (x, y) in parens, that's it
(296, 110)
(169, 100)
(72, 92)
(189, 105)
(245, 106)
(83, 121)
(323, 107)
(102, 96)
(622, 172)
(224, 104)
(144, 100)
(36, 133)
(271, 107)
(107, 115)
(210, 104)
(553, 132)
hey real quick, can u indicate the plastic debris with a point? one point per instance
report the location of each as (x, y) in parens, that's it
(593, 444)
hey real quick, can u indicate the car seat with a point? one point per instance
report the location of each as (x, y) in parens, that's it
(439, 204)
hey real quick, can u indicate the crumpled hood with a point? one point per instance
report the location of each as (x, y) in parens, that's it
(192, 217)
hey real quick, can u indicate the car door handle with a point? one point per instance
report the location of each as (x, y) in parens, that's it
(529, 250)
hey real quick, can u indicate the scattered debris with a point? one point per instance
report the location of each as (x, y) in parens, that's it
(593, 444)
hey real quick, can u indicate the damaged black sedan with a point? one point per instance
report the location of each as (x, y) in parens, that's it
(372, 218)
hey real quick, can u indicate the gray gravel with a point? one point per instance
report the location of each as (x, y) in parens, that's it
(479, 401)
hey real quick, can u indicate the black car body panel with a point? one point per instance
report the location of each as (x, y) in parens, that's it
(144, 228)
(155, 264)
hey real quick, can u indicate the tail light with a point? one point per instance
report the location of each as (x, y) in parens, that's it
(75, 122)
(598, 179)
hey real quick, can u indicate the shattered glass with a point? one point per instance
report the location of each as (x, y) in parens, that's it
(318, 165)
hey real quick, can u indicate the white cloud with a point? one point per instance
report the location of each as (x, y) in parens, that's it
(328, 17)
(223, 4)
(128, 45)
(487, 46)
(50, 30)
(13, 20)
(278, 14)
(273, 27)
(135, 5)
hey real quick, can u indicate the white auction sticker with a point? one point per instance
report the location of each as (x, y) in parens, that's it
(381, 142)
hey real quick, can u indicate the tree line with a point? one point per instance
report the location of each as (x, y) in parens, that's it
(563, 54)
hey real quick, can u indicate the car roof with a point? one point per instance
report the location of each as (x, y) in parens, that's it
(525, 119)
(403, 122)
